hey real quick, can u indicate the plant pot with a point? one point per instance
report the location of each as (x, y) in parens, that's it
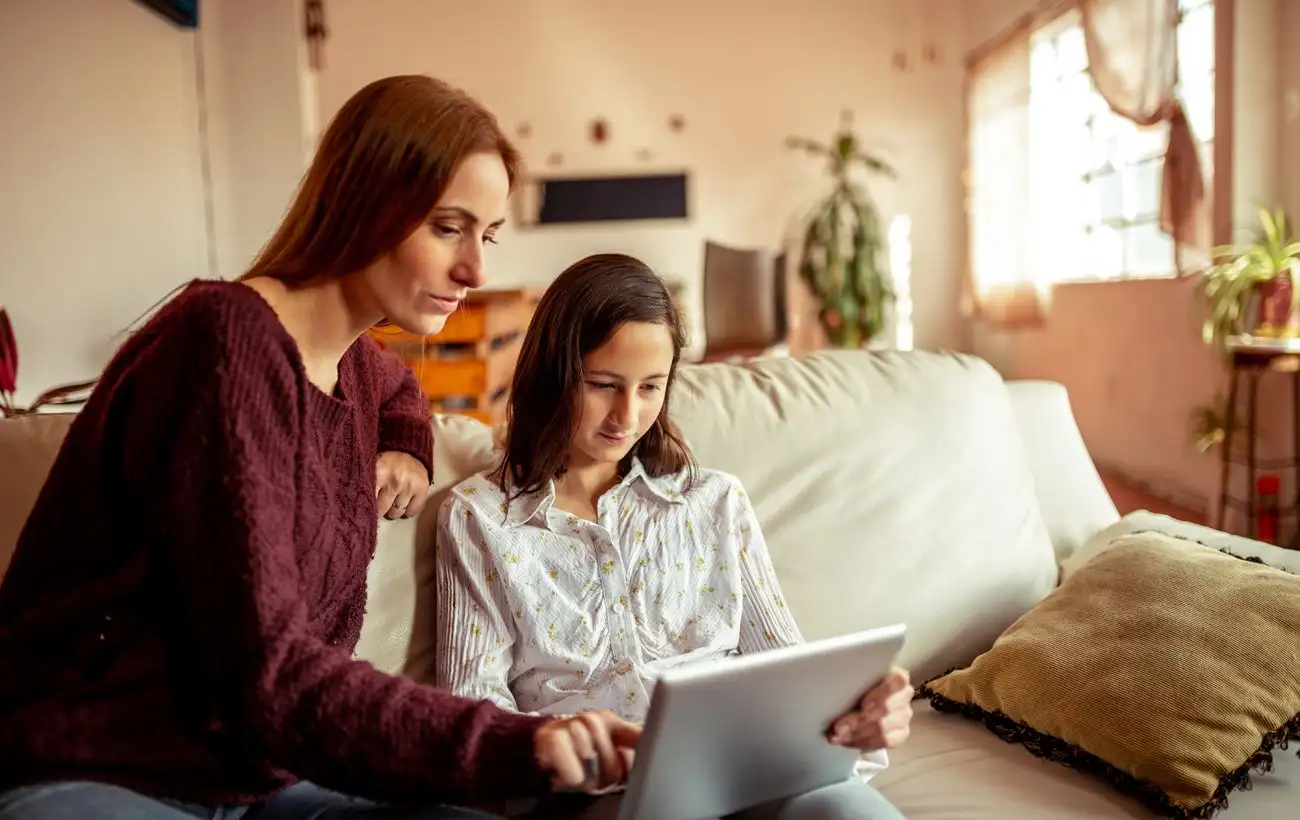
(1277, 317)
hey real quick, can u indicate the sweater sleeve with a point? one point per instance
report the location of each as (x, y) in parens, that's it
(219, 503)
(403, 408)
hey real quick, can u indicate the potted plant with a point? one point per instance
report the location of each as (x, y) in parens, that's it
(844, 258)
(1261, 274)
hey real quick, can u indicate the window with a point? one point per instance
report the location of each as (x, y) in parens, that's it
(1094, 177)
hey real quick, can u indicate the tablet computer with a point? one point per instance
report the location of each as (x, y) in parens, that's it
(726, 735)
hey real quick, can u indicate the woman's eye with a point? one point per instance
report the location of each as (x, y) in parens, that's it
(488, 239)
(651, 388)
(601, 385)
(446, 230)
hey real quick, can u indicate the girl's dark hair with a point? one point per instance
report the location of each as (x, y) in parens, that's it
(578, 313)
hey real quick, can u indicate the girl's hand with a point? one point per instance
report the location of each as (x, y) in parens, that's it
(589, 752)
(883, 719)
(401, 485)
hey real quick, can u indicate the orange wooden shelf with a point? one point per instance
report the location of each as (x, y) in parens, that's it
(467, 368)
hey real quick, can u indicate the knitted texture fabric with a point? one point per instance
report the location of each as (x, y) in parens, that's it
(185, 598)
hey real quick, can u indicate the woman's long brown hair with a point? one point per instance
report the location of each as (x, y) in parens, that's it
(578, 313)
(380, 169)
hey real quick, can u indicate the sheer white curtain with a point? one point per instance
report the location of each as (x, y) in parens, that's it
(1001, 289)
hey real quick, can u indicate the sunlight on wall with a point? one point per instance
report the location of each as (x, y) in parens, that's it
(900, 266)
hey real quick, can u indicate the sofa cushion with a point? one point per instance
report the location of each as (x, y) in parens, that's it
(1163, 666)
(957, 770)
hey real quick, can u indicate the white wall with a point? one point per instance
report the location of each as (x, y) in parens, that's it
(744, 74)
(101, 199)
(126, 170)
(260, 107)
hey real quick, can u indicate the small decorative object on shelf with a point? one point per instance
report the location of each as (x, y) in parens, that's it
(844, 258)
(468, 367)
(1267, 514)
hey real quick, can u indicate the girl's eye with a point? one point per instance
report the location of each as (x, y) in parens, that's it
(601, 385)
(651, 388)
(446, 230)
(488, 239)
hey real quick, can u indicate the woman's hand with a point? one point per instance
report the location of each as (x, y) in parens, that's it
(589, 752)
(883, 719)
(401, 485)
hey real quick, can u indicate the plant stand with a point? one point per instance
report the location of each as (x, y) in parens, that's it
(1251, 360)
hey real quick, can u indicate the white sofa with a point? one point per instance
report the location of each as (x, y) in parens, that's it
(911, 487)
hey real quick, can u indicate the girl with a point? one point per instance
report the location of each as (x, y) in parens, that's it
(597, 554)
(178, 622)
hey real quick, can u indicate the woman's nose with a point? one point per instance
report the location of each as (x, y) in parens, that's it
(468, 271)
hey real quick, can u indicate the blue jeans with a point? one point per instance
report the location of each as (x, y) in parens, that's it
(852, 799)
(83, 800)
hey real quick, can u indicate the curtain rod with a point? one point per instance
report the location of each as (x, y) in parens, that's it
(1046, 12)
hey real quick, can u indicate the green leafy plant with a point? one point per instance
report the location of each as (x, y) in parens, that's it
(844, 258)
(1267, 268)
(1208, 426)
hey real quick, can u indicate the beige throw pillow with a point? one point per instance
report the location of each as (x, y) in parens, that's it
(1170, 669)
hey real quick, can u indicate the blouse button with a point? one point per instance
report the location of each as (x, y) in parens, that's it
(618, 608)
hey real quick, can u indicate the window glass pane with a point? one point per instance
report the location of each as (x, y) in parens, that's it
(1143, 200)
(1107, 137)
(1198, 100)
(1144, 143)
(1074, 95)
(1148, 251)
(1042, 65)
(1196, 44)
(1106, 253)
(1072, 53)
(1091, 212)
(1110, 196)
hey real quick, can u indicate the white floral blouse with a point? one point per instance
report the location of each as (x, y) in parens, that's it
(543, 611)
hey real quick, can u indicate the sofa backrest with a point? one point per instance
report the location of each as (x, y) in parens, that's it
(28, 445)
(890, 487)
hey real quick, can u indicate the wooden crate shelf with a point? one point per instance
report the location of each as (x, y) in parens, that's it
(468, 367)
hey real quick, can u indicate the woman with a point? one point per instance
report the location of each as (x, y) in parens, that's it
(177, 625)
(597, 555)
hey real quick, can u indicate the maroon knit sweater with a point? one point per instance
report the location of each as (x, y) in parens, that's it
(180, 614)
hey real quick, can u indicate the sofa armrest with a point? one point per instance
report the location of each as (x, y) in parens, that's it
(1073, 499)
